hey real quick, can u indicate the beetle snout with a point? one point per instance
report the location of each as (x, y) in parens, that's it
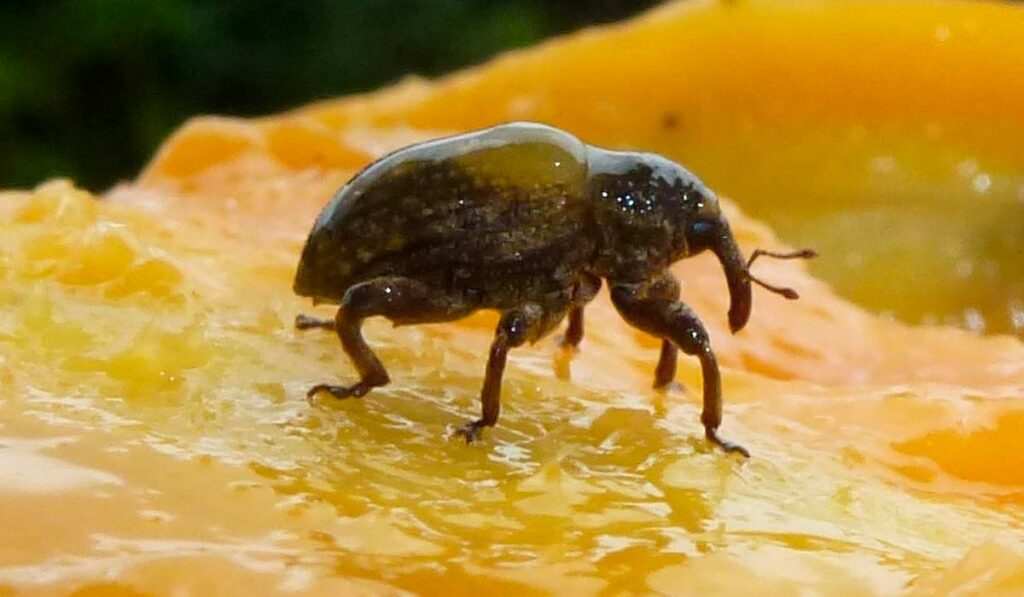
(714, 234)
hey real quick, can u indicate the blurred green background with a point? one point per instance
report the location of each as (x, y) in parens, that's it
(89, 88)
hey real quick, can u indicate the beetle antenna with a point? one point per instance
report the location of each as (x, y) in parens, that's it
(801, 254)
(786, 292)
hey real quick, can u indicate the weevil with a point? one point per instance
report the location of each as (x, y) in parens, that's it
(527, 220)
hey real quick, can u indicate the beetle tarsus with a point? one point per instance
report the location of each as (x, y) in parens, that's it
(356, 390)
(306, 322)
(728, 446)
(472, 431)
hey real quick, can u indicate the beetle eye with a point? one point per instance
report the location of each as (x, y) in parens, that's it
(698, 230)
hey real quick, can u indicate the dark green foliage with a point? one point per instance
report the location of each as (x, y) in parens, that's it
(88, 88)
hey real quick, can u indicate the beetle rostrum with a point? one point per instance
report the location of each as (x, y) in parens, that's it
(527, 220)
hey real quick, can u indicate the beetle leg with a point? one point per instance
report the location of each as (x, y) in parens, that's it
(583, 291)
(306, 322)
(665, 372)
(371, 372)
(514, 329)
(569, 343)
(574, 332)
(665, 286)
(668, 318)
(402, 300)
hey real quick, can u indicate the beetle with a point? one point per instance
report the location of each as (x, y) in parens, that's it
(525, 219)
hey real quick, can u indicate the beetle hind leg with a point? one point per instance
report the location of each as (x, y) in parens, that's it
(307, 322)
(403, 301)
(372, 373)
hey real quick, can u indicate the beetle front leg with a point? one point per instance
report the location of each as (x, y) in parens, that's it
(514, 329)
(672, 320)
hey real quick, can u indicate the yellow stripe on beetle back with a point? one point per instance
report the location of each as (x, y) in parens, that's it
(524, 166)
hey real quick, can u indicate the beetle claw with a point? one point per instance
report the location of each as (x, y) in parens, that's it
(725, 444)
(471, 431)
(357, 390)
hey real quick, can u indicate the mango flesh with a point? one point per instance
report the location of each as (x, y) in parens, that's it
(153, 436)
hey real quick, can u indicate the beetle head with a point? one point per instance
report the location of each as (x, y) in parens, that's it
(643, 205)
(652, 212)
(710, 230)
(658, 212)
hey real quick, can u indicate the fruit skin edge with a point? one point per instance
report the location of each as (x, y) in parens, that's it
(976, 409)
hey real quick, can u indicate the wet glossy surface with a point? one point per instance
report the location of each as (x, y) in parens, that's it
(153, 435)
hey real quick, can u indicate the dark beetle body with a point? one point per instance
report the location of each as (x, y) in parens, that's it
(525, 219)
(483, 218)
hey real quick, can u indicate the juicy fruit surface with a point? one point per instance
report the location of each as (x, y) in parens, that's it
(153, 435)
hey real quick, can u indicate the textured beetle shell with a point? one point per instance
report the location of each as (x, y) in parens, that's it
(499, 216)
